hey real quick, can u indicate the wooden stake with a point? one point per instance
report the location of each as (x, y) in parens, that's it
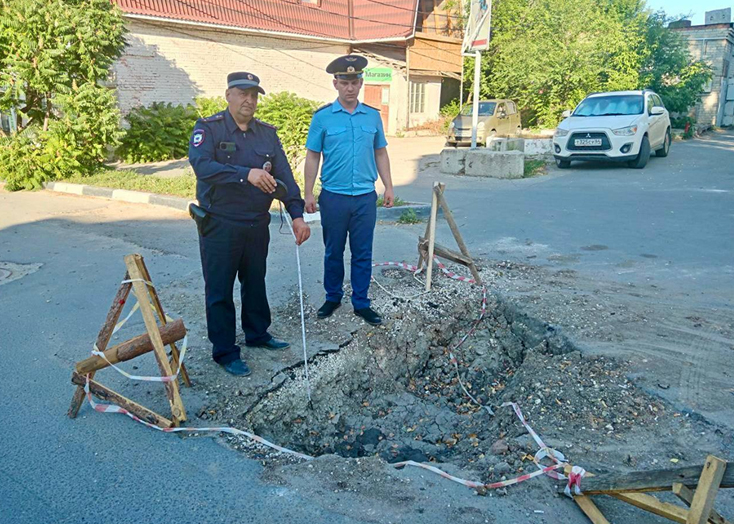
(590, 509)
(131, 348)
(103, 338)
(162, 316)
(686, 495)
(108, 395)
(133, 263)
(432, 233)
(653, 505)
(457, 235)
(708, 487)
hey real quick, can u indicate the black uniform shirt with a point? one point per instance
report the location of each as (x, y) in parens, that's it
(222, 156)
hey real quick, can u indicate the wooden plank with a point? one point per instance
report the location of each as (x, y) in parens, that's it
(653, 505)
(590, 509)
(103, 338)
(175, 357)
(108, 395)
(131, 348)
(708, 487)
(444, 252)
(431, 235)
(652, 480)
(141, 291)
(686, 495)
(457, 236)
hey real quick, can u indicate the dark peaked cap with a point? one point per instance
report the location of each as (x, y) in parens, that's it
(244, 80)
(347, 67)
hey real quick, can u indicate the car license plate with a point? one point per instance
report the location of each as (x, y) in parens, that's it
(587, 142)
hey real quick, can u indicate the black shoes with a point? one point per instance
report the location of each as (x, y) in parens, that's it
(238, 368)
(328, 309)
(273, 343)
(369, 315)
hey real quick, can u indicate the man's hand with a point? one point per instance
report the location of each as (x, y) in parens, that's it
(301, 230)
(262, 180)
(388, 199)
(310, 203)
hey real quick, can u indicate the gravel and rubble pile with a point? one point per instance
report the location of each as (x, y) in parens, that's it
(393, 392)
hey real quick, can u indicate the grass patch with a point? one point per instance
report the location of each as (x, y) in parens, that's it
(396, 202)
(409, 216)
(534, 168)
(180, 186)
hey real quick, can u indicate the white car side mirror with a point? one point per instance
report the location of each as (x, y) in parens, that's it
(657, 111)
(566, 113)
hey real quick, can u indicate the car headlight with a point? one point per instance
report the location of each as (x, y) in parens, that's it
(625, 131)
(452, 125)
(560, 132)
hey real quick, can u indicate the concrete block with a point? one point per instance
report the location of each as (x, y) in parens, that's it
(727, 121)
(179, 203)
(538, 146)
(63, 187)
(452, 160)
(495, 164)
(730, 92)
(729, 109)
(506, 144)
(98, 191)
(137, 197)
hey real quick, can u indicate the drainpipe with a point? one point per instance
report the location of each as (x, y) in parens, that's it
(407, 78)
(351, 19)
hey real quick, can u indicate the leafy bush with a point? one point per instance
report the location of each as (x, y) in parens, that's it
(291, 114)
(158, 132)
(409, 216)
(448, 112)
(22, 157)
(209, 106)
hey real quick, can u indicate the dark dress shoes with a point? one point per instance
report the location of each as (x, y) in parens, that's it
(273, 343)
(238, 368)
(328, 309)
(369, 315)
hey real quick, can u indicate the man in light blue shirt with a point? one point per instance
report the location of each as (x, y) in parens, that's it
(350, 137)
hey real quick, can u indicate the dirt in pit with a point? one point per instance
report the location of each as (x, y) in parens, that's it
(392, 392)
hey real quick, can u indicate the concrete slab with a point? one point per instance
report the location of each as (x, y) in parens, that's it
(452, 160)
(506, 144)
(507, 164)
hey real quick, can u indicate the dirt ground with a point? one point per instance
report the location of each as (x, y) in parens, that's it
(392, 393)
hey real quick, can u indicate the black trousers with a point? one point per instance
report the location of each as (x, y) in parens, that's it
(230, 251)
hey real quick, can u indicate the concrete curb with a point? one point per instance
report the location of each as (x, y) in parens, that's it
(181, 204)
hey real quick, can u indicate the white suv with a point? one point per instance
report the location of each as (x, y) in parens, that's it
(624, 126)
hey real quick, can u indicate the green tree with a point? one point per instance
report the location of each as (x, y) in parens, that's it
(49, 46)
(667, 67)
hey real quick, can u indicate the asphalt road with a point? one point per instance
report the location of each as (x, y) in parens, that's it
(670, 224)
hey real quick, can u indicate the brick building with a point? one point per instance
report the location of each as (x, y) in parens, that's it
(713, 42)
(181, 49)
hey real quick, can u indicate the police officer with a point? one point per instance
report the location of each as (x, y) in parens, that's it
(350, 137)
(239, 162)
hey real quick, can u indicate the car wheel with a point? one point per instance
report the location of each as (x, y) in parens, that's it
(663, 151)
(643, 156)
(563, 164)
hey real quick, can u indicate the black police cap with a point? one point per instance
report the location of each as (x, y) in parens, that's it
(244, 80)
(347, 67)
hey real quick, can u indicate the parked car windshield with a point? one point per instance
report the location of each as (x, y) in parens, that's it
(610, 105)
(485, 109)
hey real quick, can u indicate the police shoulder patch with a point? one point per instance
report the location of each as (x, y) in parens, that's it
(322, 107)
(197, 138)
(214, 118)
(367, 105)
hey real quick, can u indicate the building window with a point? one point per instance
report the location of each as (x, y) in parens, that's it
(314, 3)
(417, 97)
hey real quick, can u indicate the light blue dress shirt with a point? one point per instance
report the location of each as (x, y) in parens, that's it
(348, 142)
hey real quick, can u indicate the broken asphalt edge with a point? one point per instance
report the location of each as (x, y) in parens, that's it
(181, 204)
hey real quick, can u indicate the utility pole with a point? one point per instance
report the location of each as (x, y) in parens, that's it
(475, 106)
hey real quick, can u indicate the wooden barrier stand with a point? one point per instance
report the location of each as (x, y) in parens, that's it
(155, 339)
(696, 486)
(428, 247)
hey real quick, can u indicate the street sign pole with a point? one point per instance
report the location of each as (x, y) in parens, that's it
(475, 105)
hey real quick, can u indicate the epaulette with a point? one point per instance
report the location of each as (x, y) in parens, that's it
(371, 107)
(214, 118)
(271, 126)
(323, 107)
